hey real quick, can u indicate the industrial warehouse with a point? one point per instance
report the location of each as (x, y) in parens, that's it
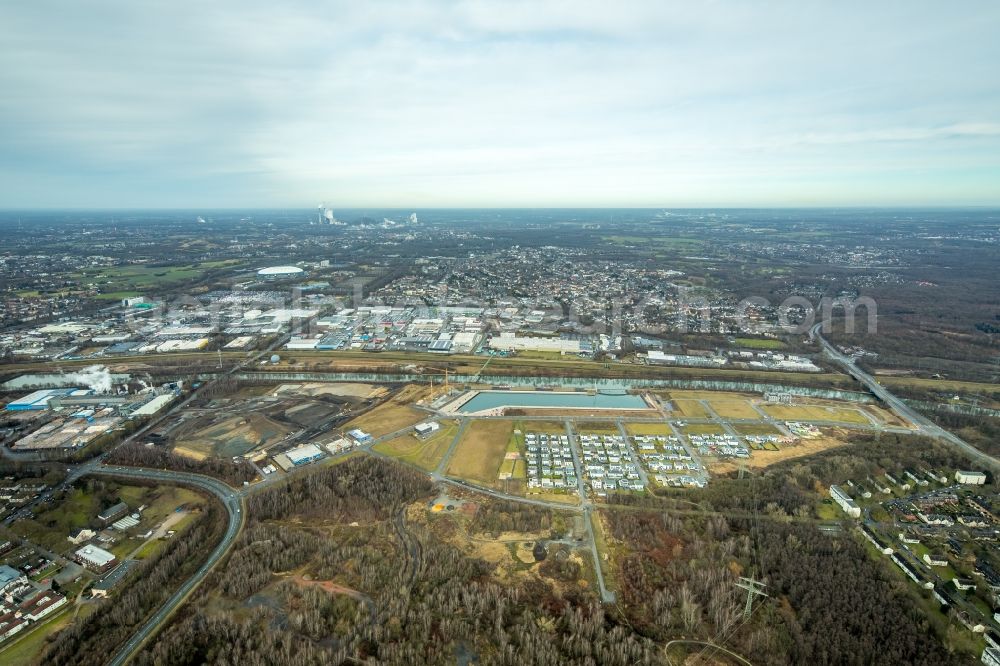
(73, 417)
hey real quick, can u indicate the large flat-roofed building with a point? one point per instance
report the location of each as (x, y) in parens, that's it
(426, 428)
(38, 400)
(298, 456)
(359, 436)
(849, 506)
(509, 342)
(154, 405)
(95, 558)
(304, 454)
(9, 577)
(970, 478)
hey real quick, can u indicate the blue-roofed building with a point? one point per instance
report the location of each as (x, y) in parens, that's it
(38, 400)
(440, 346)
(123, 347)
(8, 576)
(359, 436)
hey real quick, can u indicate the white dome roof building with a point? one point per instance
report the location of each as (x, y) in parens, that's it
(278, 272)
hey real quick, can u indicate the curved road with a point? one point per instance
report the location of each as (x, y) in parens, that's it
(923, 425)
(233, 503)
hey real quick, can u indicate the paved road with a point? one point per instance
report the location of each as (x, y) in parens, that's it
(633, 456)
(923, 425)
(607, 596)
(439, 470)
(233, 503)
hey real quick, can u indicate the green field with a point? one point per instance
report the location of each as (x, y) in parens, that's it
(424, 453)
(760, 343)
(121, 281)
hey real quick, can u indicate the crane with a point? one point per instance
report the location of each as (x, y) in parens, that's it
(445, 372)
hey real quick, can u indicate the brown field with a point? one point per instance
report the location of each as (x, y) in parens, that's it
(577, 413)
(393, 415)
(815, 413)
(755, 429)
(481, 451)
(703, 429)
(189, 453)
(691, 408)
(234, 436)
(734, 409)
(549, 427)
(570, 497)
(597, 427)
(761, 459)
(884, 415)
(648, 429)
(341, 389)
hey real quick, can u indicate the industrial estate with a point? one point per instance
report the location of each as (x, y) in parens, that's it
(302, 447)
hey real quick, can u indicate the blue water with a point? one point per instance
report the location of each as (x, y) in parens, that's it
(494, 399)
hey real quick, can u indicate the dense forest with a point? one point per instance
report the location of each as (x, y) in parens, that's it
(156, 457)
(331, 570)
(829, 602)
(399, 595)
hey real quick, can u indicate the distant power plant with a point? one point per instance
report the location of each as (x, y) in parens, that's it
(325, 215)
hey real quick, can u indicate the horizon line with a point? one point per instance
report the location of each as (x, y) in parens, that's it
(19, 209)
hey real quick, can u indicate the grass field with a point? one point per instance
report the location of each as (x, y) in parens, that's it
(734, 409)
(648, 429)
(760, 459)
(703, 429)
(542, 355)
(691, 408)
(568, 497)
(481, 451)
(117, 281)
(597, 428)
(424, 453)
(755, 429)
(815, 413)
(760, 343)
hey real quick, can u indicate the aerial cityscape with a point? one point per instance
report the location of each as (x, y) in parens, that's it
(535, 333)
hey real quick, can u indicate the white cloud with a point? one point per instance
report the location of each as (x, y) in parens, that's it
(259, 103)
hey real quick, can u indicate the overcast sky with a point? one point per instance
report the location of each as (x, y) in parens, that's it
(279, 103)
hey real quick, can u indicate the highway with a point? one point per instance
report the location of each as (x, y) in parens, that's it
(233, 504)
(923, 425)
